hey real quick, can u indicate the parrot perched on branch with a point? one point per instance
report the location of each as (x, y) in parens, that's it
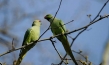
(58, 27)
(32, 34)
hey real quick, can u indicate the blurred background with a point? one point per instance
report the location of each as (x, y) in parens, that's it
(16, 16)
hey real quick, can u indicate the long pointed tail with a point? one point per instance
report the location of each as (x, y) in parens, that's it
(23, 53)
(21, 56)
(69, 51)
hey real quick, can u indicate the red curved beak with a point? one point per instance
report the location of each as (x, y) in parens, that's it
(40, 22)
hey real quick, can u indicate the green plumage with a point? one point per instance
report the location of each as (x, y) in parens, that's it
(57, 27)
(31, 35)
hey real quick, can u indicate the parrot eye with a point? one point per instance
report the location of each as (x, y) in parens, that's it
(39, 21)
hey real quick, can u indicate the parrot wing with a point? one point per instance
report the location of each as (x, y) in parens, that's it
(62, 25)
(27, 37)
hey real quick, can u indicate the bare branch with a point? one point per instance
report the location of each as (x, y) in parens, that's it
(100, 10)
(56, 50)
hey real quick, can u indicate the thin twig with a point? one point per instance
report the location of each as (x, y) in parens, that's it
(100, 10)
(80, 54)
(89, 16)
(69, 22)
(57, 50)
(13, 44)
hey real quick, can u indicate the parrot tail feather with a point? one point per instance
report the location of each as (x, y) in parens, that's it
(69, 51)
(21, 56)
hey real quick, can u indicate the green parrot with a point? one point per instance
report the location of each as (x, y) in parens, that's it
(32, 34)
(57, 27)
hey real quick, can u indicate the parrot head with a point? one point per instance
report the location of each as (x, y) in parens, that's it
(36, 23)
(48, 17)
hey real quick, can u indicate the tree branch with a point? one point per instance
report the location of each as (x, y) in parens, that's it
(56, 51)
